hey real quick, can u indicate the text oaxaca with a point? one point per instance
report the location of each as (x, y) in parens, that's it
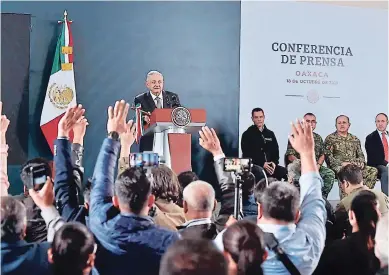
(311, 55)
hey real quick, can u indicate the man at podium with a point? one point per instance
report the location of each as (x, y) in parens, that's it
(156, 97)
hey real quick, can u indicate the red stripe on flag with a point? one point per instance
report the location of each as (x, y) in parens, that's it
(50, 131)
(70, 41)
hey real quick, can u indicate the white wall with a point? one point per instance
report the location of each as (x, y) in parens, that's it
(362, 84)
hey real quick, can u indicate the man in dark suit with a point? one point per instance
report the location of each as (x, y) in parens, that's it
(377, 149)
(156, 97)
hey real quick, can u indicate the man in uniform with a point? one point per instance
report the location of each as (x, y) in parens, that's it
(327, 174)
(342, 148)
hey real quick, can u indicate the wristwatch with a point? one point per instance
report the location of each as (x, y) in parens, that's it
(113, 135)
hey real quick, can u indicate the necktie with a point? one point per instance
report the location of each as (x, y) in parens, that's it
(386, 149)
(158, 102)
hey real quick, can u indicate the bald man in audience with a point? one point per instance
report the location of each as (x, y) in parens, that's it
(199, 203)
(342, 148)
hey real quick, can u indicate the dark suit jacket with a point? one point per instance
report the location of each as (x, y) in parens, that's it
(375, 150)
(68, 176)
(170, 100)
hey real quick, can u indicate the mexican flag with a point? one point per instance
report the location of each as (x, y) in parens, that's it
(61, 90)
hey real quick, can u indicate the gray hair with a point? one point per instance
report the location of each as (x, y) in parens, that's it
(294, 170)
(13, 219)
(199, 195)
(153, 73)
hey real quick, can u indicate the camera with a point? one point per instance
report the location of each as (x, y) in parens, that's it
(144, 160)
(237, 165)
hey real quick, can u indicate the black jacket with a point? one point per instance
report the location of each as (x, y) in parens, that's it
(375, 150)
(260, 146)
(170, 100)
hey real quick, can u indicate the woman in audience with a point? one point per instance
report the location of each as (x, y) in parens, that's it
(73, 250)
(244, 248)
(355, 254)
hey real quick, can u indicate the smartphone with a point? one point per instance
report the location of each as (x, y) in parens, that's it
(237, 165)
(145, 159)
(37, 177)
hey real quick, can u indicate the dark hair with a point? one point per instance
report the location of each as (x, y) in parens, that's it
(309, 114)
(71, 247)
(382, 114)
(25, 169)
(193, 257)
(244, 242)
(348, 119)
(351, 173)
(166, 185)
(256, 110)
(364, 206)
(260, 186)
(132, 187)
(13, 219)
(187, 177)
(280, 201)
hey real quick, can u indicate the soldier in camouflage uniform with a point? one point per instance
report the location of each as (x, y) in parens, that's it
(327, 174)
(342, 148)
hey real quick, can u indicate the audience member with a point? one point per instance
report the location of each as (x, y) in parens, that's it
(36, 227)
(342, 148)
(193, 257)
(128, 240)
(184, 178)
(300, 232)
(68, 165)
(377, 149)
(355, 254)
(326, 174)
(199, 202)
(351, 182)
(18, 256)
(260, 144)
(73, 250)
(381, 243)
(4, 123)
(294, 174)
(244, 248)
(166, 190)
(187, 177)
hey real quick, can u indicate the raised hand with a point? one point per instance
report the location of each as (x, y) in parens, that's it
(209, 141)
(70, 119)
(302, 141)
(79, 130)
(4, 123)
(127, 138)
(44, 197)
(302, 137)
(117, 117)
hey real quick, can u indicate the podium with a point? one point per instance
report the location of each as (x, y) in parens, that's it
(172, 129)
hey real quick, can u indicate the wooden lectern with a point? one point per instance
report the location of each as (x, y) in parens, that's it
(173, 143)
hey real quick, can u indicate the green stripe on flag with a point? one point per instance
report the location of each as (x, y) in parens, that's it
(59, 57)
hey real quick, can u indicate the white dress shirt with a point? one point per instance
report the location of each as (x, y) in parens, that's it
(154, 97)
